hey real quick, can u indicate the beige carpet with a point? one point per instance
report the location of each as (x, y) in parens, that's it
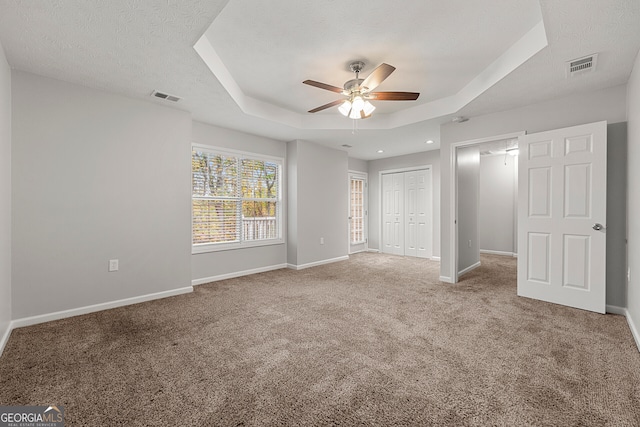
(375, 340)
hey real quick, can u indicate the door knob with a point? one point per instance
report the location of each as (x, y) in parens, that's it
(597, 226)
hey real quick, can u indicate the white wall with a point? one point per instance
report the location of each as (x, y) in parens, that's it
(401, 162)
(292, 203)
(633, 160)
(214, 265)
(468, 208)
(319, 206)
(5, 198)
(498, 203)
(606, 104)
(96, 176)
(358, 165)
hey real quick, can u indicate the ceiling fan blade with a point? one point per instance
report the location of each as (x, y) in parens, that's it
(325, 106)
(393, 96)
(377, 76)
(323, 86)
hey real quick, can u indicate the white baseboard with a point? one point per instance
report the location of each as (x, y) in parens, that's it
(614, 309)
(359, 252)
(634, 329)
(42, 318)
(446, 279)
(5, 338)
(468, 269)
(435, 258)
(316, 263)
(373, 250)
(226, 276)
(490, 252)
(635, 332)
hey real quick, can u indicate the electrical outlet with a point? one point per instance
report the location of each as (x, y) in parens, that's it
(113, 265)
(469, 243)
(322, 240)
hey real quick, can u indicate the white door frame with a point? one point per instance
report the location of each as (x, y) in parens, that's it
(380, 196)
(453, 199)
(365, 206)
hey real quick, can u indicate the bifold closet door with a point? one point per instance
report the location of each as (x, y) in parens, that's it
(418, 226)
(393, 213)
(411, 203)
(406, 213)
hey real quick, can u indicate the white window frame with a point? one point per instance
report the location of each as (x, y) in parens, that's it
(361, 176)
(197, 248)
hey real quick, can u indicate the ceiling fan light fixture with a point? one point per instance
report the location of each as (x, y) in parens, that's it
(357, 103)
(358, 92)
(368, 108)
(344, 108)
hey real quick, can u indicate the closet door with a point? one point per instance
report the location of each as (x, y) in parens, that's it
(393, 213)
(423, 217)
(411, 214)
(407, 220)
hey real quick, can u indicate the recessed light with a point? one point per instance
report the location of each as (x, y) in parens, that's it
(380, 151)
(430, 141)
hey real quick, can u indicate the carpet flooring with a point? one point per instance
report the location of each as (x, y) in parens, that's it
(375, 340)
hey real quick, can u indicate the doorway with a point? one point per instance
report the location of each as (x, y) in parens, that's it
(465, 203)
(562, 207)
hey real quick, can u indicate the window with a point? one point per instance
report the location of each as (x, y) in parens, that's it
(236, 199)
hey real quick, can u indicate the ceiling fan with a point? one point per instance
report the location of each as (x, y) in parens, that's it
(359, 91)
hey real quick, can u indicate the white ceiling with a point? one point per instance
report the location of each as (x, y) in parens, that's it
(464, 57)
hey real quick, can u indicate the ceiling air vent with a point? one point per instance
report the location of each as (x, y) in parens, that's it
(347, 146)
(165, 96)
(582, 65)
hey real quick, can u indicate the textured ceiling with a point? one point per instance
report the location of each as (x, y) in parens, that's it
(575, 28)
(132, 47)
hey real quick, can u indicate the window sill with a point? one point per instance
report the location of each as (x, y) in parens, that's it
(217, 247)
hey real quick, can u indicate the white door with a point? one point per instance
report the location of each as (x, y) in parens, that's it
(418, 213)
(424, 220)
(393, 210)
(411, 214)
(562, 216)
